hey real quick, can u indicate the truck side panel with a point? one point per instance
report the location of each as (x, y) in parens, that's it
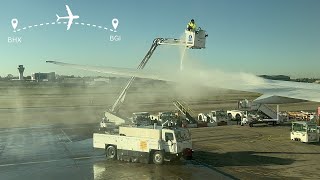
(125, 143)
(137, 144)
(140, 132)
(100, 140)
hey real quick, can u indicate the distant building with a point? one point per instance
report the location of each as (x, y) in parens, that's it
(21, 70)
(43, 76)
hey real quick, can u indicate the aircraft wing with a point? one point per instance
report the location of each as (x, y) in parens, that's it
(114, 70)
(69, 11)
(273, 91)
(69, 23)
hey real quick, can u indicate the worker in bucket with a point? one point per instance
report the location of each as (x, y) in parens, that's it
(191, 25)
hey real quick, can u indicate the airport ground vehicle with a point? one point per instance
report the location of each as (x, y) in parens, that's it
(236, 115)
(257, 113)
(175, 118)
(218, 117)
(145, 144)
(259, 120)
(185, 114)
(164, 116)
(141, 119)
(304, 131)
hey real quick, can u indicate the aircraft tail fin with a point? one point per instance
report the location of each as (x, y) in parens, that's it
(58, 17)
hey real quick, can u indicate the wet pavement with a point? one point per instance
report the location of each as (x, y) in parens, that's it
(60, 152)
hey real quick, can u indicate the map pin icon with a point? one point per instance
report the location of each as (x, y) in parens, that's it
(14, 23)
(115, 23)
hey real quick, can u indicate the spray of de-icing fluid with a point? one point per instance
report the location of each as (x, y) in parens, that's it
(182, 58)
(183, 52)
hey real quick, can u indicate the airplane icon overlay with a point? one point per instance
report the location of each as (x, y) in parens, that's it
(70, 17)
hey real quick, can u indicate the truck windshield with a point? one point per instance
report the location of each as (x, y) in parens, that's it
(182, 135)
(299, 127)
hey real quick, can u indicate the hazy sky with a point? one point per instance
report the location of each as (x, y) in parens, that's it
(258, 36)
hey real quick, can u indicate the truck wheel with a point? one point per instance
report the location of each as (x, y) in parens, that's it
(111, 152)
(158, 157)
(238, 117)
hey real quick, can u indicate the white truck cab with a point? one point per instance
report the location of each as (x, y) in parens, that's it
(304, 131)
(145, 144)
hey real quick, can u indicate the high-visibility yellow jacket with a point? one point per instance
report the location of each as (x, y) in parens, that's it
(191, 26)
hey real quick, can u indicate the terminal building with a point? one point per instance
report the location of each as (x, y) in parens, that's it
(40, 77)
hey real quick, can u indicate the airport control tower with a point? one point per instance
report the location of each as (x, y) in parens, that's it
(21, 69)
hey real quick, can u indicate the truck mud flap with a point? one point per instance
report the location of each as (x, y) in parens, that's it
(132, 156)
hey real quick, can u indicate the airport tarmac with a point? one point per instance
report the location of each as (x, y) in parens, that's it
(60, 152)
(259, 152)
(223, 152)
(61, 148)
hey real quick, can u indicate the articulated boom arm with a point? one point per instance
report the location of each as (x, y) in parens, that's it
(194, 40)
(116, 106)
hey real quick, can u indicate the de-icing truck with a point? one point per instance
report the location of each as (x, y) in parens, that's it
(146, 144)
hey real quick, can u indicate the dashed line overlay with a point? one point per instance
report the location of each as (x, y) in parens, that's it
(75, 23)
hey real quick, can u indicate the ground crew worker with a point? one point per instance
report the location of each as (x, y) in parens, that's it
(191, 25)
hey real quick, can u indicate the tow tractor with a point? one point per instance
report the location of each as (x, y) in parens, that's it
(304, 131)
(193, 40)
